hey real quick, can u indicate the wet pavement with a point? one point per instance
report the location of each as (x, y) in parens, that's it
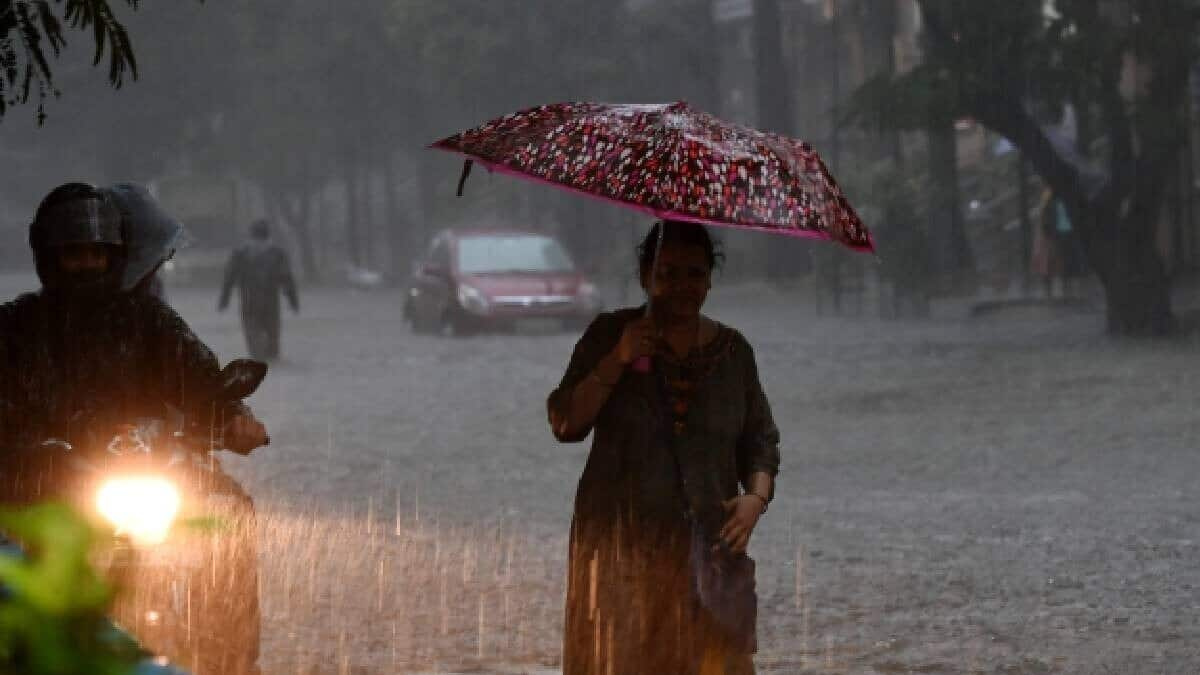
(1009, 493)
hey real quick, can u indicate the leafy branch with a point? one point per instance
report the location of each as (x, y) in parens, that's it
(32, 32)
(53, 603)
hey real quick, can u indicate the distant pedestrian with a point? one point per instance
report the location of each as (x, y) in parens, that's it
(1058, 258)
(261, 271)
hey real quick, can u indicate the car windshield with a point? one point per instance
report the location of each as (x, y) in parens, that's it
(512, 253)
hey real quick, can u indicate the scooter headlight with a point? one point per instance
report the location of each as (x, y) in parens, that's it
(143, 507)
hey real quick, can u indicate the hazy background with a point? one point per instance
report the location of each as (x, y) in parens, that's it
(985, 469)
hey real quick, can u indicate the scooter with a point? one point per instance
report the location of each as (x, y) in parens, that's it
(185, 560)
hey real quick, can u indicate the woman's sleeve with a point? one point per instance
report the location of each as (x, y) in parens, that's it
(758, 447)
(599, 339)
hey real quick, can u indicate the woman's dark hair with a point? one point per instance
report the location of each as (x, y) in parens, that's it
(678, 232)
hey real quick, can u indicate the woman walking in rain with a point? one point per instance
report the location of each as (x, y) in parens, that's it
(681, 468)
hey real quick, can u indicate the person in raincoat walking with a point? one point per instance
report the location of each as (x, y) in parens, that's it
(261, 271)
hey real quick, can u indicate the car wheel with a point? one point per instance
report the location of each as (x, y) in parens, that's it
(419, 324)
(454, 324)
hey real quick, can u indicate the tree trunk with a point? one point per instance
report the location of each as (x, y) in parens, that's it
(430, 188)
(353, 234)
(366, 211)
(294, 212)
(397, 225)
(952, 258)
(708, 75)
(889, 22)
(302, 224)
(303, 229)
(1137, 290)
(785, 258)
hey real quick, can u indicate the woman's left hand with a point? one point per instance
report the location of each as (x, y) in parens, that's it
(742, 514)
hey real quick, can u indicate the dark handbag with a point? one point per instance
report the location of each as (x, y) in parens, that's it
(724, 584)
(723, 581)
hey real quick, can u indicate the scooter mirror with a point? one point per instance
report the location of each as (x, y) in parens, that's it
(241, 377)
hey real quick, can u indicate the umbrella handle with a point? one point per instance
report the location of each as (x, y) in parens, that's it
(465, 172)
(641, 364)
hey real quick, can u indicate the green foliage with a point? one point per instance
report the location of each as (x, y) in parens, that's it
(32, 30)
(1123, 65)
(340, 90)
(52, 619)
(997, 60)
(975, 53)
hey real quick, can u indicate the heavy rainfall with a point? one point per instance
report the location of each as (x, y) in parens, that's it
(980, 399)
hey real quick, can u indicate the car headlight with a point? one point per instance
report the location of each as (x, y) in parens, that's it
(143, 507)
(472, 298)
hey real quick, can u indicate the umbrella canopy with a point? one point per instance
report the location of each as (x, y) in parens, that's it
(673, 162)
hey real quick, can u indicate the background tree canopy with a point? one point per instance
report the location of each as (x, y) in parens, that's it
(318, 115)
(1122, 66)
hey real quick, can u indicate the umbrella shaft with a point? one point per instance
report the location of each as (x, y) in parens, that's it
(642, 364)
(654, 267)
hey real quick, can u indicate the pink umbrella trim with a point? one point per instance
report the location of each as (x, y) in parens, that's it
(658, 213)
(670, 161)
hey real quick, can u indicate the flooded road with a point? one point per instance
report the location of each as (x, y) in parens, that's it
(1004, 494)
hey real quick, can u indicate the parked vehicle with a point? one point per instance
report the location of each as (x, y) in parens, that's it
(495, 280)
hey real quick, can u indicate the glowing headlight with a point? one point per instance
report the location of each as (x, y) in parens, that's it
(142, 507)
(471, 298)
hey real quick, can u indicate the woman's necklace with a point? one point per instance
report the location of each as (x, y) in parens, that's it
(680, 380)
(692, 340)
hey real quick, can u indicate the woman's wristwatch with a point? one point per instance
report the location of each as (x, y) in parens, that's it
(760, 498)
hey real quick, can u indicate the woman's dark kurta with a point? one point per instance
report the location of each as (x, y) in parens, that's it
(630, 607)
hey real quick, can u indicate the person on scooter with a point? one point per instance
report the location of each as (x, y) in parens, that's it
(92, 349)
(84, 341)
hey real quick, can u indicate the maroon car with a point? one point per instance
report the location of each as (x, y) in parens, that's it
(477, 280)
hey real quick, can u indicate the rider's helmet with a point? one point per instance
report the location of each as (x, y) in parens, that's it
(121, 223)
(78, 217)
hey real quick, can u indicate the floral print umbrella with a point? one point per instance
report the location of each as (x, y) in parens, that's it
(673, 162)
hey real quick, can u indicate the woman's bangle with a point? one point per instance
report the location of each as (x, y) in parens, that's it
(760, 498)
